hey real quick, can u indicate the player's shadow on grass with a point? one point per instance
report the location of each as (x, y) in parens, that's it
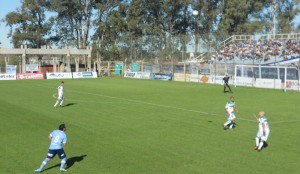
(69, 104)
(265, 145)
(70, 162)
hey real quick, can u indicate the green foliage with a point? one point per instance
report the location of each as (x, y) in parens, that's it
(287, 10)
(206, 22)
(73, 21)
(108, 25)
(128, 126)
(29, 25)
(129, 29)
(236, 16)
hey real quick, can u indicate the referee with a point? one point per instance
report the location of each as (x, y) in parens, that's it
(226, 83)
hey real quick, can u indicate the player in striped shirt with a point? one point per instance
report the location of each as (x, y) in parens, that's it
(229, 109)
(263, 131)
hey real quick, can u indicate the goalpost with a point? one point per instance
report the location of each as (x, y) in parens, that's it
(274, 77)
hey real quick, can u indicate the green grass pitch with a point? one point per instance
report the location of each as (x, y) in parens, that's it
(129, 126)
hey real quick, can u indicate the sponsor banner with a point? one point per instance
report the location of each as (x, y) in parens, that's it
(160, 76)
(130, 74)
(179, 77)
(59, 75)
(292, 84)
(138, 75)
(268, 83)
(77, 75)
(11, 69)
(27, 76)
(143, 75)
(31, 67)
(238, 81)
(182, 77)
(194, 78)
(204, 79)
(244, 81)
(8, 76)
(218, 79)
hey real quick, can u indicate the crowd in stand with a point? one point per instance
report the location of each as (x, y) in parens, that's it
(262, 50)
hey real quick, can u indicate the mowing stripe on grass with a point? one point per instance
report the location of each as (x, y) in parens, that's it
(178, 108)
(165, 106)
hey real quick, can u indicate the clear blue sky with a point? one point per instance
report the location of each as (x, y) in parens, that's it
(7, 6)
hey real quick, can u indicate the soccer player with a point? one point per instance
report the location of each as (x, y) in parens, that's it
(263, 131)
(229, 109)
(226, 83)
(60, 97)
(58, 139)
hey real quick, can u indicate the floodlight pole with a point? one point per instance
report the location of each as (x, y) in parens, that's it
(171, 54)
(197, 46)
(274, 9)
(274, 23)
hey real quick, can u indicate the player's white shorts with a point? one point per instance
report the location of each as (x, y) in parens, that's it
(231, 116)
(264, 136)
(60, 96)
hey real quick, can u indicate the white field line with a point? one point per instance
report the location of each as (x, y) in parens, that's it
(90, 101)
(166, 106)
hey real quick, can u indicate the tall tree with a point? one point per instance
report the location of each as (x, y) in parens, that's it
(184, 26)
(169, 20)
(28, 24)
(72, 22)
(107, 18)
(286, 11)
(236, 16)
(134, 25)
(206, 21)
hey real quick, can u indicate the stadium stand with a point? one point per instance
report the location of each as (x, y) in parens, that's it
(259, 51)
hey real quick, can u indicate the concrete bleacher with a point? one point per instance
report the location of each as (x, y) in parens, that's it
(262, 49)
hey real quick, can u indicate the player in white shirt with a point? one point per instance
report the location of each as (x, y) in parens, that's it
(229, 109)
(263, 131)
(60, 97)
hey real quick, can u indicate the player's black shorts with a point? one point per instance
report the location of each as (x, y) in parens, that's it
(61, 153)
